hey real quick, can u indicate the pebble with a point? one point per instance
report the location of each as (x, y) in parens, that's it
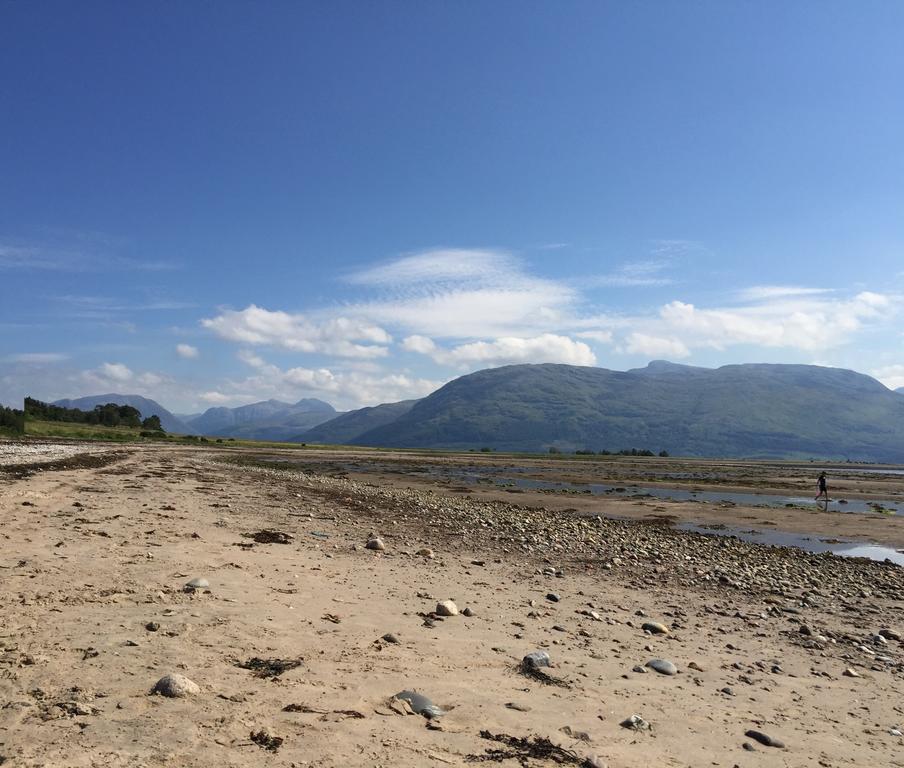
(536, 659)
(635, 723)
(446, 608)
(765, 739)
(467, 612)
(390, 638)
(426, 552)
(890, 634)
(553, 597)
(152, 626)
(851, 673)
(197, 583)
(655, 628)
(176, 686)
(663, 666)
(420, 704)
(375, 543)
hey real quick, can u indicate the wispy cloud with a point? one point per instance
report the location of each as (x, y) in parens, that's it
(768, 292)
(81, 257)
(187, 351)
(37, 358)
(462, 294)
(633, 274)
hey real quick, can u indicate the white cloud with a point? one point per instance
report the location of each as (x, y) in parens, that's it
(654, 346)
(546, 348)
(250, 358)
(344, 389)
(218, 398)
(810, 324)
(603, 337)
(116, 372)
(186, 351)
(892, 376)
(338, 336)
(422, 344)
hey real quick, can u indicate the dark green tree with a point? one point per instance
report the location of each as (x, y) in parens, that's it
(152, 422)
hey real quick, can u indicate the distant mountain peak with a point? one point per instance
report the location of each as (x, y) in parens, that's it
(666, 366)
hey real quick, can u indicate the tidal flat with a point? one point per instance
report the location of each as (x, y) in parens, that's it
(802, 649)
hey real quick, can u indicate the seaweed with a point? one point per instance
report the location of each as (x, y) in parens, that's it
(525, 749)
(271, 668)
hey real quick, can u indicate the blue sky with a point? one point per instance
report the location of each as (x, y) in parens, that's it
(216, 203)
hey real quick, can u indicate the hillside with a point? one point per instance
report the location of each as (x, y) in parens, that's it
(266, 420)
(737, 410)
(349, 426)
(146, 406)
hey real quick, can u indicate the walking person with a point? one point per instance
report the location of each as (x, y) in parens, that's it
(822, 486)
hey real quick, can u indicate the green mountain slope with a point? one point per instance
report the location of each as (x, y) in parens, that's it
(349, 426)
(737, 410)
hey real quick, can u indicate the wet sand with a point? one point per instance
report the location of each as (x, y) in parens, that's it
(93, 555)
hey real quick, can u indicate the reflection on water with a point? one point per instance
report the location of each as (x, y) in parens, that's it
(679, 494)
(801, 541)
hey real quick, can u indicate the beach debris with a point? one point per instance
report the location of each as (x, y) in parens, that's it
(635, 723)
(532, 666)
(446, 608)
(175, 686)
(420, 704)
(197, 583)
(765, 739)
(655, 628)
(523, 749)
(662, 666)
(268, 536)
(269, 668)
(375, 543)
(265, 740)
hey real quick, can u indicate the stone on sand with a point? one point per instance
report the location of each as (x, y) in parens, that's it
(446, 608)
(176, 686)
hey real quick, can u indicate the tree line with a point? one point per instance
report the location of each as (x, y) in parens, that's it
(108, 415)
(12, 420)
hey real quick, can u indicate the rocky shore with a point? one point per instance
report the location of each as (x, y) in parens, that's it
(176, 608)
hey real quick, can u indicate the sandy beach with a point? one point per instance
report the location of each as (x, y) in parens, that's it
(303, 635)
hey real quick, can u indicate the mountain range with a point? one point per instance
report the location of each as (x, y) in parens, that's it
(267, 420)
(752, 410)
